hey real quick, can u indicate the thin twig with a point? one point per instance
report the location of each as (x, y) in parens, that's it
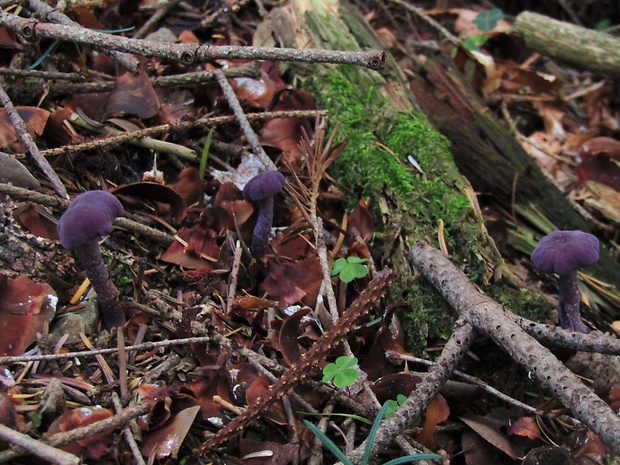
(188, 54)
(85, 353)
(50, 14)
(243, 121)
(183, 126)
(22, 131)
(420, 398)
(127, 433)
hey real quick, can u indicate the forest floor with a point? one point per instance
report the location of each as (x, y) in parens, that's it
(227, 333)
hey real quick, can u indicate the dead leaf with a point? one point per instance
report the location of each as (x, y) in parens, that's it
(132, 95)
(35, 120)
(26, 308)
(166, 441)
(12, 171)
(489, 431)
(93, 447)
(36, 219)
(157, 193)
(275, 453)
(525, 426)
(188, 185)
(436, 412)
(294, 282)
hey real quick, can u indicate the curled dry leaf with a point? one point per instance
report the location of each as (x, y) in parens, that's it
(132, 95)
(525, 426)
(93, 447)
(155, 192)
(166, 441)
(26, 308)
(35, 120)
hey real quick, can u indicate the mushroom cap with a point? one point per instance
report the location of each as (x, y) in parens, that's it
(89, 217)
(263, 185)
(563, 252)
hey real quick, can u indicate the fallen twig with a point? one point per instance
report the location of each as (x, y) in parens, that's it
(188, 54)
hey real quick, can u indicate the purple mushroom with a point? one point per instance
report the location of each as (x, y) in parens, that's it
(89, 217)
(562, 253)
(260, 190)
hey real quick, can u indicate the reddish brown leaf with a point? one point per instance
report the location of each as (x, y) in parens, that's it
(38, 221)
(294, 282)
(255, 93)
(157, 193)
(196, 248)
(437, 412)
(26, 308)
(360, 222)
(35, 119)
(596, 162)
(166, 441)
(289, 336)
(285, 133)
(390, 386)
(525, 426)
(132, 95)
(188, 185)
(93, 447)
(257, 389)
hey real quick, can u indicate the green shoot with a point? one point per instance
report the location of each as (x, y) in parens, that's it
(341, 373)
(369, 442)
(394, 404)
(205, 155)
(350, 268)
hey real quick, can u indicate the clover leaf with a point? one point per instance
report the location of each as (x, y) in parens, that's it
(487, 20)
(342, 372)
(350, 268)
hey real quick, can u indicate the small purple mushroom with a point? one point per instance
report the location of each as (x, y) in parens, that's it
(260, 190)
(562, 253)
(89, 217)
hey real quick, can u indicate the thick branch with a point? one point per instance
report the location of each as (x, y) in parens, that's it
(490, 318)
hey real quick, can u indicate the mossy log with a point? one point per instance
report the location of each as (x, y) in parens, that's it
(385, 128)
(494, 162)
(576, 45)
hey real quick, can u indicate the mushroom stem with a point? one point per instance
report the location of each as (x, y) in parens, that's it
(264, 222)
(569, 299)
(90, 258)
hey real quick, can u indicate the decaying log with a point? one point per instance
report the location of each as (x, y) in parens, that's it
(584, 48)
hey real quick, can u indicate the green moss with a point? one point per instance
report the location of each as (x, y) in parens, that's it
(523, 302)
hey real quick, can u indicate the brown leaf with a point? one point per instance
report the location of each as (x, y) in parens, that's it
(436, 412)
(196, 248)
(157, 193)
(37, 220)
(93, 447)
(294, 282)
(286, 133)
(489, 431)
(35, 119)
(289, 336)
(166, 441)
(26, 308)
(596, 157)
(360, 222)
(132, 95)
(188, 185)
(525, 426)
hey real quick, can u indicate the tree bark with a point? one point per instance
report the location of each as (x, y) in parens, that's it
(584, 48)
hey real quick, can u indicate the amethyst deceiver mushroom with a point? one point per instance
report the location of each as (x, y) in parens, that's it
(261, 190)
(89, 217)
(562, 253)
